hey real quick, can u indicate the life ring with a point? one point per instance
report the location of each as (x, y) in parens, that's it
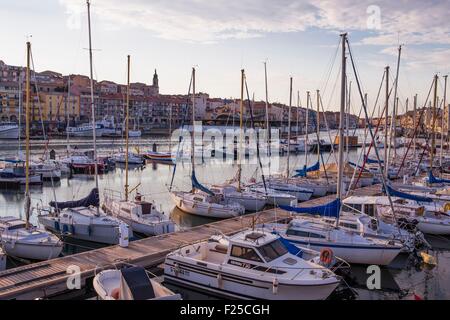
(326, 256)
(115, 293)
(447, 207)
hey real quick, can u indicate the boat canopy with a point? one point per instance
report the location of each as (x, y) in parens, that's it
(135, 284)
(330, 209)
(396, 193)
(433, 179)
(198, 185)
(92, 199)
(293, 249)
(305, 170)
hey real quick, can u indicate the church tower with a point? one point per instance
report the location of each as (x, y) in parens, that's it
(155, 80)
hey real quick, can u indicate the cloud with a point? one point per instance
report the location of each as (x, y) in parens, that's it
(411, 21)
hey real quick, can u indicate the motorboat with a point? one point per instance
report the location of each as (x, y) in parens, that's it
(86, 130)
(350, 246)
(48, 170)
(281, 185)
(2, 259)
(27, 243)
(9, 131)
(252, 264)
(130, 283)
(142, 216)
(132, 158)
(84, 220)
(16, 172)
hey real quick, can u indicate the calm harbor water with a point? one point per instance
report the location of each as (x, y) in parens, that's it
(153, 182)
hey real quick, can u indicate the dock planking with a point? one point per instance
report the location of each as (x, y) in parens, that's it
(49, 278)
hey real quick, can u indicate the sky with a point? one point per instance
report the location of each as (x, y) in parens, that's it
(297, 39)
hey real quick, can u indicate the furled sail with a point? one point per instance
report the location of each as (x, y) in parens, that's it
(198, 185)
(357, 166)
(305, 170)
(92, 199)
(433, 179)
(396, 193)
(330, 209)
(368, 160)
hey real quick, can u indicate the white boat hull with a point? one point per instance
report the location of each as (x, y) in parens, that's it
(434, 228)
(210, 210)
(32, 251)
(231, 287)
(2, 260)
(10, 133)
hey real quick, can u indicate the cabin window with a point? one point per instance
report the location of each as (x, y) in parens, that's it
(198, 199)
(245, 253)
(304, 234)
(349, 225)
(370, 210)
(17, 226)
(353, 207)
(273, 250)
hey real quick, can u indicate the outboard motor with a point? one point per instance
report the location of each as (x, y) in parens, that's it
(124, 235)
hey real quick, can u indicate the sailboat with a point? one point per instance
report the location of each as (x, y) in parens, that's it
(142, 216)
(282, 184)
(17, 237)
(353, 247)
(200, 200)
(83, 219)
(249, 199)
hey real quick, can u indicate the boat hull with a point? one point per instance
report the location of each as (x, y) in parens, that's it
(32, 251)
(232, 287)
(10, 133)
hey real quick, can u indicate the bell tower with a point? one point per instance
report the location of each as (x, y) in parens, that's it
(155, 79)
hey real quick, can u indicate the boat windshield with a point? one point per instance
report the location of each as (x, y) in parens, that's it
(273, 250)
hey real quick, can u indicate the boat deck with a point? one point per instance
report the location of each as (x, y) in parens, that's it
(50, 278)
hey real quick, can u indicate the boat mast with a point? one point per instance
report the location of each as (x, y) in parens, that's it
(308, 98)
(414, 123)
(395, 111)
(433, 119)
(20, 110)
(442, 119)
(92, 98)
(127, 108)
(193, 122)
(386, 117)
(298, 115)
(318, 126)
(341, 123)
(27, 141)
(347, 122)
(289, 130)
(67, 113)
(267, 115)
(241, 133)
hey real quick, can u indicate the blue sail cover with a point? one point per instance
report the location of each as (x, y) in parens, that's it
(12, 160)
(368, 160)
(396, 193)
(197, 185)
(357, 166)
(92, 199)
(305, 170)
(328, 210)
(293, 249)
(433, 179)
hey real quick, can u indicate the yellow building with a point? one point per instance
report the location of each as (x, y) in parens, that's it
(56, 106)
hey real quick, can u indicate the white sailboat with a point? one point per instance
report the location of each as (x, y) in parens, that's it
(17, 237)
(200, 200)
(9, 131)
(142, 216)
(83, 219)
(319, 235)
(251, 264)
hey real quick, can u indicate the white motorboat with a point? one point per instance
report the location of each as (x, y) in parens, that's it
(142, 216)
(16, 172)
(302, 194)
(132, 283)
(9, 131)
(203, 204)
(250, 200)
(2, 259)
(349, 246)
(83, 220)
(85, 130)
(48, 170)
(249, 265)
(132, 158)
(27, 243)
(275, 198)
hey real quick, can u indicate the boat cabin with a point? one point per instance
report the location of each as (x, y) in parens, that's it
(10, 223)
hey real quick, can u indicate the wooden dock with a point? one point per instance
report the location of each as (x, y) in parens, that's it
(49, 278)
